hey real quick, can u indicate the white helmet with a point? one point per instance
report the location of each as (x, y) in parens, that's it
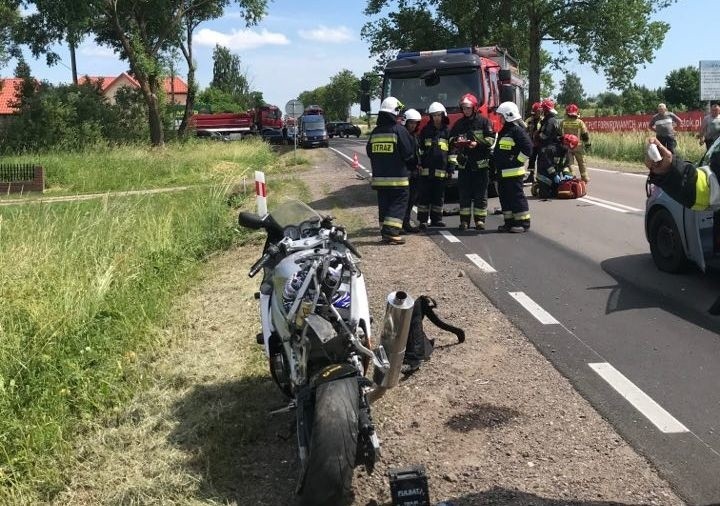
(509, 111)
(437, 107)
(412, 115)
(391, 105)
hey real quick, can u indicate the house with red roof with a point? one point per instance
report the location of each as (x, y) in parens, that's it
(175, 89)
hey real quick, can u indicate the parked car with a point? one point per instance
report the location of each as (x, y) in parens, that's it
(342, 129)
(272, 136)
(679, 236)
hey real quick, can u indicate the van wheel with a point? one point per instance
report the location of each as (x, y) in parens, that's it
(666, 244)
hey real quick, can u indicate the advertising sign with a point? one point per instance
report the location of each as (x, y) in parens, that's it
(710, 80)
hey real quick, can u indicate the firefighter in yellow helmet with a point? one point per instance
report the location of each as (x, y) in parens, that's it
(390, 148)
(573, 125)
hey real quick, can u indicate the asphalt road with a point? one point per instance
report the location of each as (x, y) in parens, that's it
(639, 344)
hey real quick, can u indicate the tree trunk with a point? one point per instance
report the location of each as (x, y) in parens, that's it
(192, 87)
(73, 62)
(534, 64)
(149, 91)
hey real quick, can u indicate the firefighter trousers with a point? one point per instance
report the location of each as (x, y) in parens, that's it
(412, 197)
(392, 203)
(473, 189)
(431, 198)
(578, 154)
(515, 209)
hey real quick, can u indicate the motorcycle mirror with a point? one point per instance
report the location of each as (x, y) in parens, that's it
(250, 220)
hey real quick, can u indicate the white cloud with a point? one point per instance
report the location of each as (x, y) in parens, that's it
(93, 50)
(240, 40)
(26, 11)
(325, 34)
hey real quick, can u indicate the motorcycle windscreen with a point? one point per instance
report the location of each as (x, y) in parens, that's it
(293, 212)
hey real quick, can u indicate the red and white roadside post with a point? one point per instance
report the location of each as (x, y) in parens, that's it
(260, 193)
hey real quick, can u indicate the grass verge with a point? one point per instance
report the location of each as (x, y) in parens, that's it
(86, 290)
(630, 146)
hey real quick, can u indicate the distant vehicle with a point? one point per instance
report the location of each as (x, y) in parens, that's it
(679, 236)
(272, 136)
(312, 128)
(266, 116)
(238, 124)
(342, 129)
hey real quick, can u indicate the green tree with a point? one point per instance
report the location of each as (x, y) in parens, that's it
(571, 91)
(227, 75)
(639, 100)
(141, 33)
(9, 20)
(374, 81)
(608, 103)
(682, 88)
(316, 96)
(614, 36)
(340, 94)
(217, 100)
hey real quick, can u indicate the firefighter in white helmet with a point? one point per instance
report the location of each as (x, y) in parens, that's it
(411, 120)
(511, 152)
(434, 173)
(390, 147)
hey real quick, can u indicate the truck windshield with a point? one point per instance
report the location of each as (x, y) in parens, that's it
(414, 93)
(314, 122)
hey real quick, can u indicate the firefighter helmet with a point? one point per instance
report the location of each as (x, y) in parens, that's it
(509, 111)
(572, 110)
(570, 141)
(391, 105)
(547, 104)
(412, 115)
(469, 100)
(536, 107)
(437, 107)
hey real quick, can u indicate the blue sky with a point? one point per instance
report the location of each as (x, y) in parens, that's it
(299, 45)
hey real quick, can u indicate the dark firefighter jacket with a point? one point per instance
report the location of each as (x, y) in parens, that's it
(696, 188)
(389, 148)
(435, 148)
(512, 150)
(556, 159)
(549, 131)
(475, 128)
(533, 124)
(412, 163)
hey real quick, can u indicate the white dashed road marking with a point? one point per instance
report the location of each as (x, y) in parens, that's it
(480, 263)
(610, 204)
(650, 409)
(447, 235)
(533, 308)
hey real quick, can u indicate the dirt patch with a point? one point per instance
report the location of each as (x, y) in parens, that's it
(491, 420)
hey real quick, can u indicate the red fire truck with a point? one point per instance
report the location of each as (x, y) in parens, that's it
(419, 78)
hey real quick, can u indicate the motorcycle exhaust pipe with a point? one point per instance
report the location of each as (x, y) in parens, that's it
(396, 327)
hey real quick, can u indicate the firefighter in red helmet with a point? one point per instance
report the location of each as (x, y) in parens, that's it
(471, 138)
(548, 137)
(533, 125)
(573, 125)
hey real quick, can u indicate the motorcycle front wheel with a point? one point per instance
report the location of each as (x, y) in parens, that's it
(333, 445)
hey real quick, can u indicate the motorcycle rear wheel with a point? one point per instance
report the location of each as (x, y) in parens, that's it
(333, 445)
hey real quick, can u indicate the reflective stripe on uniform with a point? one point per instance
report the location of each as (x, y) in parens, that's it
(390, 181)
(480, 213)
(506, 143)
(522, 157)
(392, 222)
(523, 215)
(507, 215)
(707, 189)
(464, 211)
(440, 173)
(422, 208)
(383, 143)
(424, 171)
(513, 172)
(572, 126)
(436, 209)
(442, 144)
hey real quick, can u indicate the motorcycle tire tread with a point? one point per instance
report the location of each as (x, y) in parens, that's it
(333, 445)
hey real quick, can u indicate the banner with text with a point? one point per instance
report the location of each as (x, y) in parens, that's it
(690, 122)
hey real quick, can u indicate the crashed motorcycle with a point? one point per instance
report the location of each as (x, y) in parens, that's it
(316, 333)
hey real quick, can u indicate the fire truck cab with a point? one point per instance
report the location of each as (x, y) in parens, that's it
(419, 78)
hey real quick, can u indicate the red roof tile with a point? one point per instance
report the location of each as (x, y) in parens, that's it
(106, 80)
(8, 94)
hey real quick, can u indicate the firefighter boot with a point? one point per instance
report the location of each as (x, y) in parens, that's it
(584, 176)
(506, 227)
(464, 224)
(479, 225)
(391, 235)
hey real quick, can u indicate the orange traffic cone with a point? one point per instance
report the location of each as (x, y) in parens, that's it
(356, 163)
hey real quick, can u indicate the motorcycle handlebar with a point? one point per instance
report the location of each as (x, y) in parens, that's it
(352, 249)
(267, 256)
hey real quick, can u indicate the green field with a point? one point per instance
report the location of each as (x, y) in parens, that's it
(87, 286)
(630, 146)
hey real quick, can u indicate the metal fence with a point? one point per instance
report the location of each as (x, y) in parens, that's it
(10, 173)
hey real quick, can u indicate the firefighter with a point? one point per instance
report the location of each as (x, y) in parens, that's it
(533, 125)
(559, 167)
(548, 139)
(471, 139)
(389, 148)
(412, 121)
(434, 171)
(512, 150)
(573, 125)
